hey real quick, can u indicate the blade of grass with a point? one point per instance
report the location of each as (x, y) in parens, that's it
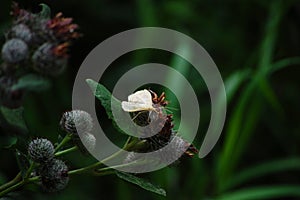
(276, 12)
(235, 128)
(285, 63)
(234, 81)
(270, 96)
(182, 66)
(263, 192)
(233, 133)
(264, 169)
(251, 120)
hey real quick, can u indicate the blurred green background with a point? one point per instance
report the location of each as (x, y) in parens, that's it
(256, 47)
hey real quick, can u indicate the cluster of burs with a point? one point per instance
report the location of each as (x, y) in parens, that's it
(35, 43)
(53, 172)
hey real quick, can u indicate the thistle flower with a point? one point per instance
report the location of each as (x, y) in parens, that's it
(48, 38)
(21, 31)
(63, 28)
(76, 121)
(14, 51)
(178, 147)
(21, 15)
(47, 60)
(54, 175)
(41, 150)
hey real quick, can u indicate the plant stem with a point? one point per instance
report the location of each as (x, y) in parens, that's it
(115, 167)
(29, 170)
(95, 165)
(98, 164)
(12, 188)
(59, 153)
(12, 182)
(66, 139)
(18, 184)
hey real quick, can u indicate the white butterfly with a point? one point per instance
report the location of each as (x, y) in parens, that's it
(138, 101)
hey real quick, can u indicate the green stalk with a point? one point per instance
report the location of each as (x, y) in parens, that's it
(90, 168)
(59, 153)
(12, 182)
(66, 139)
(12, 188)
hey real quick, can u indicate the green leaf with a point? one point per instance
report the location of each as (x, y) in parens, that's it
(32, 82)
(45, 12)
(108, 101)
(141, 182)
(14, 117)
(104, 96)
(23, 162)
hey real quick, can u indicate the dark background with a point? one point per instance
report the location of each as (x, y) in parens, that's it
(262, 130)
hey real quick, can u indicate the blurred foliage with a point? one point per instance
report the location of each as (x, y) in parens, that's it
(255, 44)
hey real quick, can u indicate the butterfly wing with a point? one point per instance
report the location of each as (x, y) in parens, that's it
(142, 96)
(134, 107)
(140, 100)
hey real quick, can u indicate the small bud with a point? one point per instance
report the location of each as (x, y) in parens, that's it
(76, 121)
(54, 175)
(89, 141)
(10, 97)
(46, 62)
(22, 32)
(41, 150)
(14, 51)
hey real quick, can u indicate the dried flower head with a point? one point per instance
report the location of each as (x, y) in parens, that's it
(178, 147)
(54, 175)
(48, 40)
(21, 15)
(76, 121)
(46, 60)
(63, 28)
(22, 32)
(41, 150)
(14, 51)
